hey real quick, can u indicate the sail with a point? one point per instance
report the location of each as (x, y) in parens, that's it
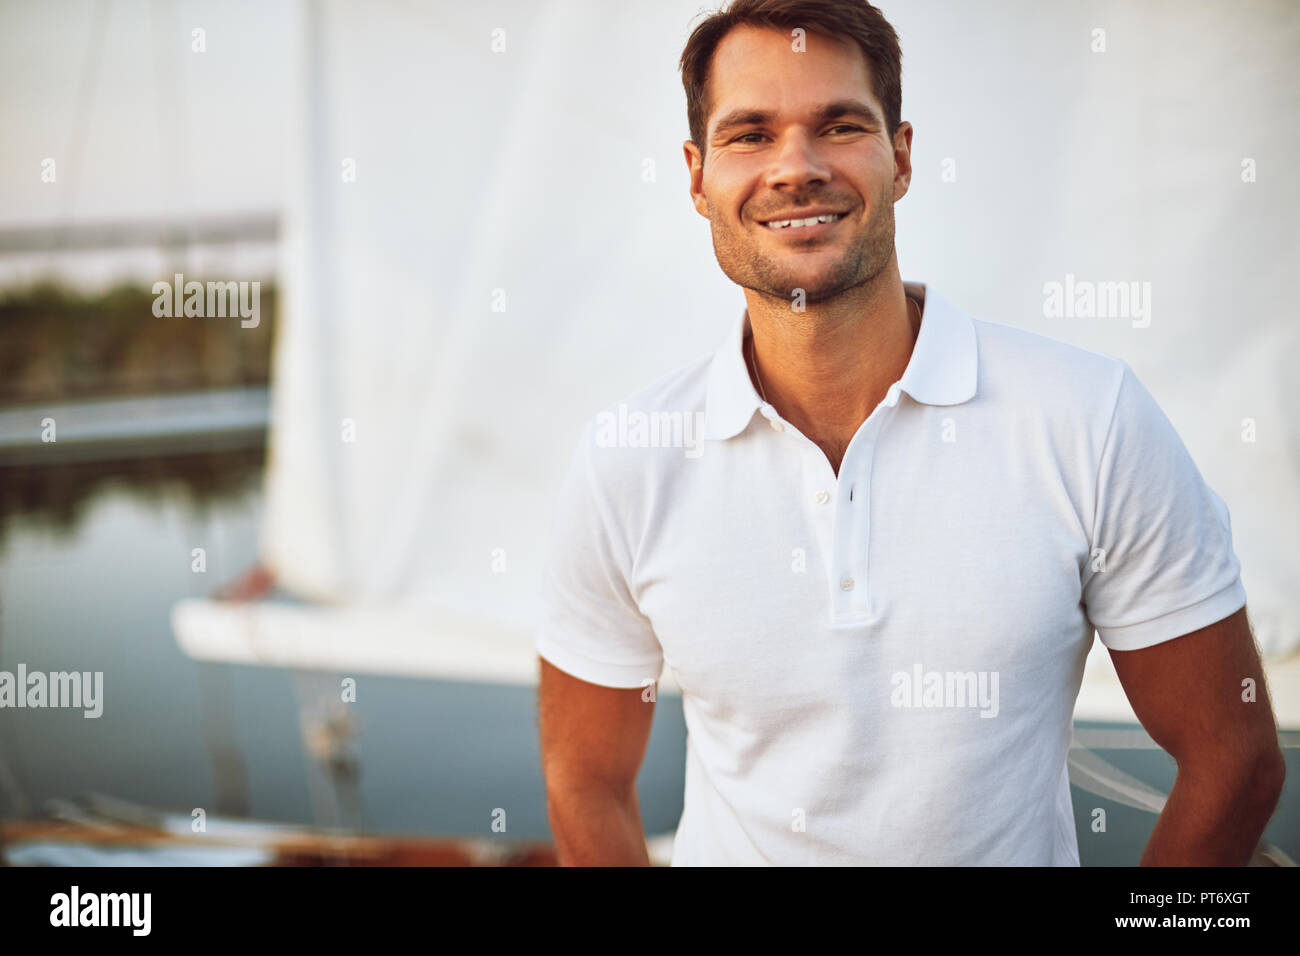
(489, 238)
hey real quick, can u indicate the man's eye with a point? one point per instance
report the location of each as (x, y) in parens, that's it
(756, 136)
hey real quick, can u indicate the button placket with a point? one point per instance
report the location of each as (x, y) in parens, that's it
(852, 530)
(818, 502)
(850, 591)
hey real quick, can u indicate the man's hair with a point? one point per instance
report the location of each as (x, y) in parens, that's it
(855, 20)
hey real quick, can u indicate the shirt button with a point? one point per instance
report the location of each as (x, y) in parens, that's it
(846, 584)
(776, 425)
(822, 497)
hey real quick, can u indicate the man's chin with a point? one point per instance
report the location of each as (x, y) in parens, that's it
(810, 288)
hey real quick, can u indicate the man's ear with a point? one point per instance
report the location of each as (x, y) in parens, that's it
(695, 165)
(902, 160)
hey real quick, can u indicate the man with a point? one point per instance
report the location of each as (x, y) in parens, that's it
(877, 594)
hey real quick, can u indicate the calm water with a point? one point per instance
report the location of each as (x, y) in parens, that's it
(92, 560)
(87, 581)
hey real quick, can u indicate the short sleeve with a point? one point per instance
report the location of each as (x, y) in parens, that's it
(591, 626)
(1162, 562)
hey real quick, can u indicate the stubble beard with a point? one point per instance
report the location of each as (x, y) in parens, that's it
(870, 250)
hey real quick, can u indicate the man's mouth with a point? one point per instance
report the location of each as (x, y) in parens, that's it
(806, 222)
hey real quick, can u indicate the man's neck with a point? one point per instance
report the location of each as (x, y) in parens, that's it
(826, 369)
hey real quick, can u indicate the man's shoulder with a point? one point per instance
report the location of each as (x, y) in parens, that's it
(1019, 365)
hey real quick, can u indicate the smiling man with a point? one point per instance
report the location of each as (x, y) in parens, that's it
(878, 579)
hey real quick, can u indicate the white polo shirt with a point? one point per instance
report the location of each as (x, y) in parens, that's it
(881, 668)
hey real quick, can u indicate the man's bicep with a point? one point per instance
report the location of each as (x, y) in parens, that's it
(591, 626)
(1161, 542)
(1202, 696)
(592, 736)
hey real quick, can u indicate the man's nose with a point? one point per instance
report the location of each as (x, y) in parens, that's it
(797, 161)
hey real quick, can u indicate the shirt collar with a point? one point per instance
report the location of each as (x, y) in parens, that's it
(941, 371)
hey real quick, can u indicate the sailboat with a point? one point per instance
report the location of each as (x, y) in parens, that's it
(489, 239)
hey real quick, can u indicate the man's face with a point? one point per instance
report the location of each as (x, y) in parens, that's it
(796, 161)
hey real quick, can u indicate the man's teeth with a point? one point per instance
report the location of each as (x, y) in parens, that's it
(797, 223)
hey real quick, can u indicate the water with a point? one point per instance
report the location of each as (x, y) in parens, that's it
(87, 583)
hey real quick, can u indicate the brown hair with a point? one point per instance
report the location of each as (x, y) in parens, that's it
(856, 20)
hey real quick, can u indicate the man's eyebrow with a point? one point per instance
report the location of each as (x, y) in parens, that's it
(836, 110)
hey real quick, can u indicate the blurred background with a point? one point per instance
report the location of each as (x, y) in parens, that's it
(302, 542)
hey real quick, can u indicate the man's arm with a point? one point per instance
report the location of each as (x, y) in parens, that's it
(1188, 694)
(593, 740)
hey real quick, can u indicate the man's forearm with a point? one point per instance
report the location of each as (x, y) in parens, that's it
(1215, 819)
(597, 827)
